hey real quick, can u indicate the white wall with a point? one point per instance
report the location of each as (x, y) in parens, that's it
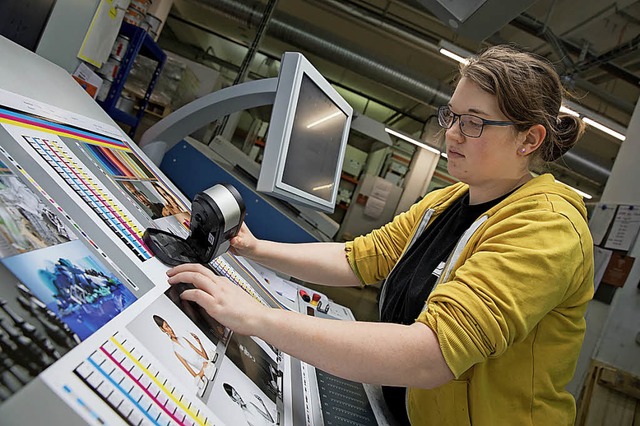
(618, 342)
(612, 330)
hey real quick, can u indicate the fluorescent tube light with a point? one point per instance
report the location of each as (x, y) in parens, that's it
(594, 119)
(411, 140)
(453, 56)
(604, 128)
(454, 52)
(569, 111)
(581, 193)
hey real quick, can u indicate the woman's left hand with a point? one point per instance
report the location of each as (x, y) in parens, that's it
(223, 300)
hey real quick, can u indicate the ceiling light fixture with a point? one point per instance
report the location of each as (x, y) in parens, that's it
(569, 111)
(454, 52)
(592, 119)
(453, 56)
(603, 128)
(581, 193)
(411, 140)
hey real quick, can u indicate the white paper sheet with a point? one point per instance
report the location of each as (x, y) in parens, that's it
(624, 230)
(102, 32)
(600, 220)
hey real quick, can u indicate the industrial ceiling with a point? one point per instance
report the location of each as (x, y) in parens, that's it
(383, 55)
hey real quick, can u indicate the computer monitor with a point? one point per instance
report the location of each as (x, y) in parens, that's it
(307, 137)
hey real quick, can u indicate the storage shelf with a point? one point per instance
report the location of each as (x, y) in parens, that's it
(349, 178)
(140, 43)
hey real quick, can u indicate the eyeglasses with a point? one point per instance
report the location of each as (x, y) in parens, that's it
(470, 125)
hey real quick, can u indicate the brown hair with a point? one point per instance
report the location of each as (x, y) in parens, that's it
(529, 92)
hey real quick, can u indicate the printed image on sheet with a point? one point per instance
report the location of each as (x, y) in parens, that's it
(238, 401)
(136, 179)
(215, 331)
(119, 162)
(26, 223)
(155, 200)
(178, 344)
(92, 191)
(73, 284)
(256, 363)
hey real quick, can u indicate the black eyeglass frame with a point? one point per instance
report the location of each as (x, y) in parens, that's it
(458, 117)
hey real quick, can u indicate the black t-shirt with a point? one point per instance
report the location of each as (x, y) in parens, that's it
(413, 278)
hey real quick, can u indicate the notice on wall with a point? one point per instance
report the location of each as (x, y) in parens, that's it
(102, 32)
(624, 230)
(377, 198)
(600, 221)
(374, 207)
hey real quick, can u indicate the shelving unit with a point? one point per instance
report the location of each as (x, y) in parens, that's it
(140, 43)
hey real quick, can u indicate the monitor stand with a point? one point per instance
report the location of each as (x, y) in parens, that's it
(167, 132)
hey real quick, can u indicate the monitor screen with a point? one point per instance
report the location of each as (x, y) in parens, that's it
(307, 137)
(316, 138)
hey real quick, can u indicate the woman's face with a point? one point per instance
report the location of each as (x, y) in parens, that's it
(167, 329)
(490, 158)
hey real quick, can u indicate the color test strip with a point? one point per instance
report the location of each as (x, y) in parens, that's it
(34, 123)
(130, 387)
(225, 268)
(177, 401)
(91, 191)
(121, 148)
(82, 404)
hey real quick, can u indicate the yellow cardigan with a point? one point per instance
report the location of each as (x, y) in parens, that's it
(508, 309)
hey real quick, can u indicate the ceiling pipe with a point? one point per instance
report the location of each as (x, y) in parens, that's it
(580, 164)
(630, 47)
(381, 23)
(534, 27)
(304, 36)
(301, 35)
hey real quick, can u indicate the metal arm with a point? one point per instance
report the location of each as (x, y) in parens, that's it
(202, 111)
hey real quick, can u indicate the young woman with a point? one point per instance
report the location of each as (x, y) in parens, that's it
(486, 281)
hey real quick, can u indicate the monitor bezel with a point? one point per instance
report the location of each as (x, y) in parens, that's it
(293, 67)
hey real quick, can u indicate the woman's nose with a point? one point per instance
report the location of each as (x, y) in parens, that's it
(453, 132)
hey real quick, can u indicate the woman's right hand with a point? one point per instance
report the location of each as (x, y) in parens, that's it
(223, 300)
(243, 244)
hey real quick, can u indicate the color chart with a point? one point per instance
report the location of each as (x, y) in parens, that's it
(92, 191)
(120, 163)
(124, 377)
(223, 268)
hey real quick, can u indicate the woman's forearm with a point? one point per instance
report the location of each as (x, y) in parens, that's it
(320, 263)
(380, 353)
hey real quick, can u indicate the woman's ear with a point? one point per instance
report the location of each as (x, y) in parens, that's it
(533, 138)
